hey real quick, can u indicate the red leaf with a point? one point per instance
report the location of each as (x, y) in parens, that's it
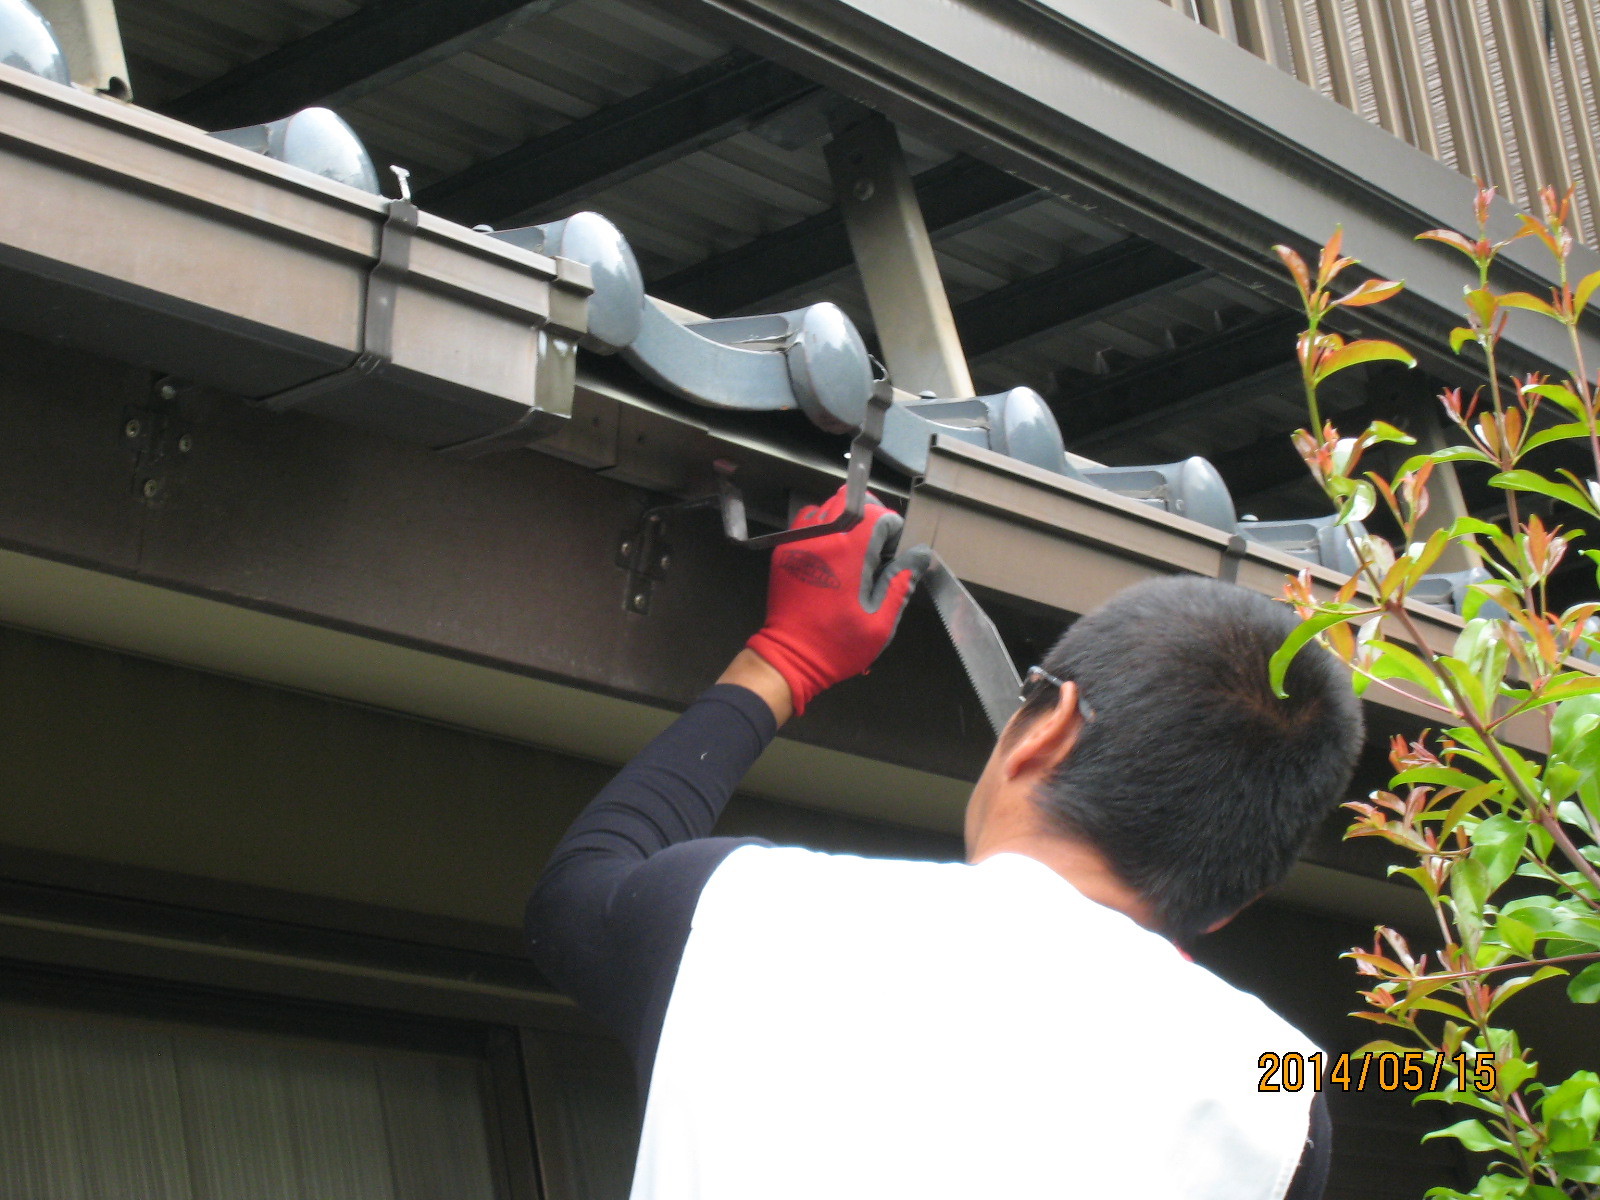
(1373, 291)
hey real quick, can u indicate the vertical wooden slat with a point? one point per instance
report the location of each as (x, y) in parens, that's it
(1301, 56)
(1465, 136)
(1217, 16)
(1257, 33)
(1375, 23)
(1531, 101)
(1412, 76)
(1336, 46)
(1480, 88)
(1576, 77)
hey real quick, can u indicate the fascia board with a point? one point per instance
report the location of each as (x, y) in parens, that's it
(100, 609)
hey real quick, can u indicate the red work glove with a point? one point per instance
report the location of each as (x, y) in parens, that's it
(833, 601)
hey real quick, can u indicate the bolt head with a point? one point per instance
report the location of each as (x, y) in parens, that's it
(151, 487)
(863, 189)
(626, 549)
(186, 443)
(664, 561)
(167, 392)
(640, 600)
(131, 429)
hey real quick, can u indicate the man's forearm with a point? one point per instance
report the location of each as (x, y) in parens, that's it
(749, 670)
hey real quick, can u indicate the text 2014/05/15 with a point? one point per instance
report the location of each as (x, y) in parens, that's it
(1413, 1071)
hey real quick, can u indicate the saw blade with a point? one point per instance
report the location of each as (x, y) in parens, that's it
(978, 645)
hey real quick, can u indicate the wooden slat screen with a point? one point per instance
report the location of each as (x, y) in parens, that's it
(1499, 89)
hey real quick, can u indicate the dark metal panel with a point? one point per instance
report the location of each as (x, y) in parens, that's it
(376, 45)
(1089, 288)
(1100, 411)
(668, 121)
(1174, 132)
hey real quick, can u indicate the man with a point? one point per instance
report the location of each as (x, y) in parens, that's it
(1020, 1025)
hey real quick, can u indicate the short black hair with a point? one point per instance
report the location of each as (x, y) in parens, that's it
(1197, 783)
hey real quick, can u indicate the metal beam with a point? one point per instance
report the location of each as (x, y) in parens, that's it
(380, 42)
(1117, 404)
(1086, 288)
(660, 124)
(954, 196)
(910, 309)
(1175, 134)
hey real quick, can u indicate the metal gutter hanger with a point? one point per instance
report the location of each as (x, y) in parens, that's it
(381, 290)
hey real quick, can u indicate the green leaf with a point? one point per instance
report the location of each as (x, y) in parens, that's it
(1497, 843)
(1584, 290)
(1561, 394)
(1584, 987)
(1382, 431)
(1460, 336)
(1303, 633)
(1364, 350)
(1470, 1133)
(1531, 481)
(1469, 888)
(1513, 1073)
(1455, 454)
(1516, 934)
(1528, 302)
(1441, 776)
(1356, 498)
(1556, 433)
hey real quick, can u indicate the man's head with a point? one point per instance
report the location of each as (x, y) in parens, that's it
(1168, 754)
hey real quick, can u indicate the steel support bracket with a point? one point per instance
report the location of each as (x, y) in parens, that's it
(157, 438)
(646, 555)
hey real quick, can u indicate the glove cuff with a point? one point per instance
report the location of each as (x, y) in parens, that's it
(803, 677)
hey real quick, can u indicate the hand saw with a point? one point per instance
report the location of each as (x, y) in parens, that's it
(977, 642)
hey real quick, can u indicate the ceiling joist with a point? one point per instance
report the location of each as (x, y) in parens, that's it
(1090, 287)
(374, 46)
(617, 143)
(1096, 413)
(953, 196)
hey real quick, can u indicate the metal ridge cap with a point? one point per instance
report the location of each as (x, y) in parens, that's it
(149, 126)
(154, 129)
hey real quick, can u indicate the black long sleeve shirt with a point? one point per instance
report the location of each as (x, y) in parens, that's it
(611, 914)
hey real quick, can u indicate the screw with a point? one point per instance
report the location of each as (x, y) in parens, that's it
(640, 600)
(626, 549)
(185, 443)
(863, 189)
(664, 561)
(167, 392)
(131, 429)
(151, 487)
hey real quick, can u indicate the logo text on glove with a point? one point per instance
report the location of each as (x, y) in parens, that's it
(806, 567)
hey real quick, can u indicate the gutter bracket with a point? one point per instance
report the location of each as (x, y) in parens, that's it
(1232, 553)
(378, 303)
(862, 447)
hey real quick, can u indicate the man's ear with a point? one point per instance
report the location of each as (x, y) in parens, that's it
(1042, 745)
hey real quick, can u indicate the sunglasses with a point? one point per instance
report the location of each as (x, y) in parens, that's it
(1035, 681)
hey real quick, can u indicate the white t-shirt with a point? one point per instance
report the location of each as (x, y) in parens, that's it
(864, 1029)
